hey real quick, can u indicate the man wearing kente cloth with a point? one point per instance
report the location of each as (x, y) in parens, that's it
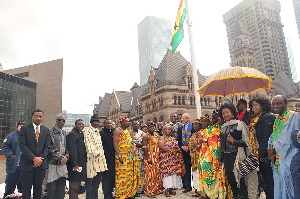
(127, 163)
(281, 149)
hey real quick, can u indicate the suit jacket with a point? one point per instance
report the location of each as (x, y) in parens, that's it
(186, 155)
(30, 148)
(263, 130)
(109, 151)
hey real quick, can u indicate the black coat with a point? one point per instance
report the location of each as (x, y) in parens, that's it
(30, 148)
(263, 130)
(77, 155)
(246, 118)
(109, 151)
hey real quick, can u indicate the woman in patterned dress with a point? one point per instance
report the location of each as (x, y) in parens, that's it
(153, 181)
(127, 163)
(195, 154)
(211, 177)
(96, 162)
(170, 162)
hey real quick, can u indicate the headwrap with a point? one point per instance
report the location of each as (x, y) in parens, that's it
(95, 118)
(144, 125)
(150, 124)
(215, 111)
(196, 121)
(204, 117)
(121, 119)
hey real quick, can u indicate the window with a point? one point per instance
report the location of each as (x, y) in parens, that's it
(183, 101)
(175, 100)
(179, 100)
(191, 100)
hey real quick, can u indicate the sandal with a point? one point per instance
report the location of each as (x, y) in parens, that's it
(167, 193)
(196, 195)
(172, 192)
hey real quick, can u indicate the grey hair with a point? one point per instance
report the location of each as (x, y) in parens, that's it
(61, 115)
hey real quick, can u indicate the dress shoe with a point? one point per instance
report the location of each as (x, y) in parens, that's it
(186, 190)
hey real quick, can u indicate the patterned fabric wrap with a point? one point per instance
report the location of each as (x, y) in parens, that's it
(170, 163)
(278, 124)
(194, 152)
(140, 152)
(128, 177)
(96, 161)
(211, 179)
(153, 180)
(248, 165)
(252, 135)
(187, 133)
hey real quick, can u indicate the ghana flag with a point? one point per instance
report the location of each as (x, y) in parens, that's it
(178, 33)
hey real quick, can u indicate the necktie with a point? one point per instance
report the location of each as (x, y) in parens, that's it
(37, 134)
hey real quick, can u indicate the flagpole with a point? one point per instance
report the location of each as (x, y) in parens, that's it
(193, 61)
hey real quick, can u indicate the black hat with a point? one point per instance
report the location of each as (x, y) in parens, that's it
(21, 122)
(95, 118)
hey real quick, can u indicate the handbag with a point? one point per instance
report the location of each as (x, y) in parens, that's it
(247, 165)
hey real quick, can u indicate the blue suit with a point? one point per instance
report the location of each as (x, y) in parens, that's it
(10, 149)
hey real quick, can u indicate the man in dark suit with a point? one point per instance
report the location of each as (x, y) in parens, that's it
(185, 132)
(34, 142)
(108, 176)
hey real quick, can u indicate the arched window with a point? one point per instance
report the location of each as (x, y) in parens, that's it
(155, 120)
(161, 118)
(183, 100)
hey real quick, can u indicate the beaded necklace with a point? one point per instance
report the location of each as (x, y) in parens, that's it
(278, 124)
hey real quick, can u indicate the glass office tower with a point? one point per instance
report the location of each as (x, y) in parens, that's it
(17, 102)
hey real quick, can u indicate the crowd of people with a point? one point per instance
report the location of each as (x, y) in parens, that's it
(161, 158)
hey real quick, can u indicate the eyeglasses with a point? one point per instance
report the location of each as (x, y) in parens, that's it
(61, 120)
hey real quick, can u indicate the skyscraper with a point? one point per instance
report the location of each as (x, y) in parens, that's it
(296, 4)
(154, 36)
(291, 58)
(262, 20)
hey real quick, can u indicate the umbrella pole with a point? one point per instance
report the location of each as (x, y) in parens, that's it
(234, 100)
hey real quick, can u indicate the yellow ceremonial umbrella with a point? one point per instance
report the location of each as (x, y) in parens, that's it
(235, 80)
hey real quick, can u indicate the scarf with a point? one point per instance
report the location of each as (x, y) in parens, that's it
(252, 135)
(241, 115)
(187, 133)
(278, 124)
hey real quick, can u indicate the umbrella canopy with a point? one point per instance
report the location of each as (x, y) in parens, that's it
(235, 80)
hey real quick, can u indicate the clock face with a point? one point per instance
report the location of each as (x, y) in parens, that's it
(247, 42)
(237, 42)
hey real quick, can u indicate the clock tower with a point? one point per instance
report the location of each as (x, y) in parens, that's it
(242, 46)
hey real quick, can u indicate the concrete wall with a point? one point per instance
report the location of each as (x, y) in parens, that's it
(2, 170)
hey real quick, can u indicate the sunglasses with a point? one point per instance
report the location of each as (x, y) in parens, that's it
(61, 120)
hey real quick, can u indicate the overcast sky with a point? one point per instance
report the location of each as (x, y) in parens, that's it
(98, 40)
